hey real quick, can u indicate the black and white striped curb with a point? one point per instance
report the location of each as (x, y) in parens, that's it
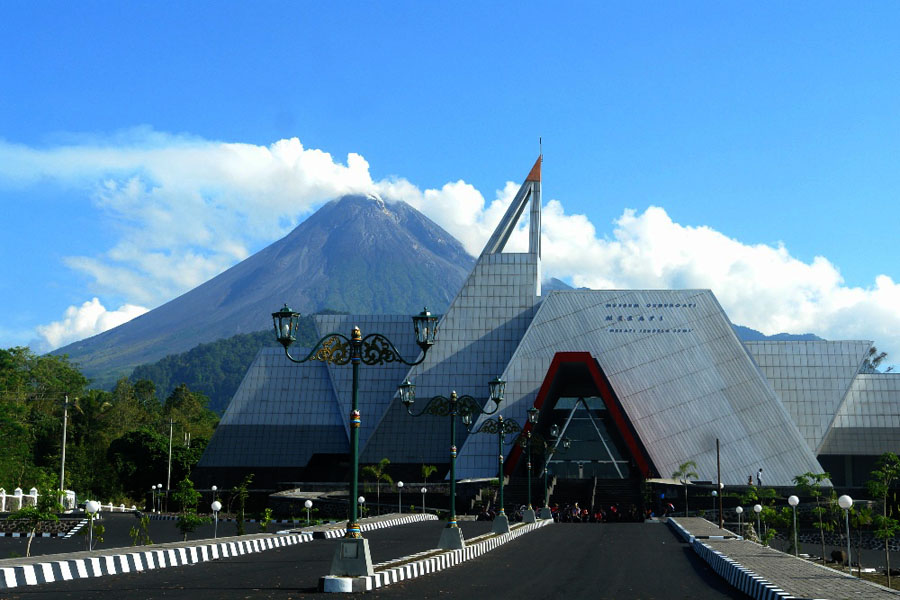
(730, 570)
(129, 562)
(738, 576)
(76, 529)
(680, 530)
(62, 534)
(340, 532)
(412, 568)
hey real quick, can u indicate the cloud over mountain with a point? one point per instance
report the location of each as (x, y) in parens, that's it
(187, 208)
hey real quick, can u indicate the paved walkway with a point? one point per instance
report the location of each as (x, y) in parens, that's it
(765, 573)
(34, 570)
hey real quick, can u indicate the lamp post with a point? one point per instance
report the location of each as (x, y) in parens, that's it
(424, 491)
(92, 507)
(740, 510)
(525, 442)
(153, 496)
(757, 508)
(846, 502)
(715, 496)
(214, 490)
(466, 406)
(400, 497)
(159, 491)
(551, 446)
(216, 506)
(352, 557)
(501, 427)
(307, 505)
(794, 501)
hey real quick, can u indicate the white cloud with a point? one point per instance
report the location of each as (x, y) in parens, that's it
(83, 321)
(186, 208)
(759, 286)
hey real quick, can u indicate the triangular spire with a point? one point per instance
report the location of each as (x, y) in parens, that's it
(530, 191)
(535, 174)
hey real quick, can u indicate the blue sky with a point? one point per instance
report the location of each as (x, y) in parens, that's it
(749, 148)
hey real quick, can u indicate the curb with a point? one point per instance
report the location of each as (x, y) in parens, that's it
(95, 566)
(330, 534)
(424, 566)
(65, 535)
(739, 576)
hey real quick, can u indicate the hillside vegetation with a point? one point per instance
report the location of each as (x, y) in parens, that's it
(117, 442)
(217, 368)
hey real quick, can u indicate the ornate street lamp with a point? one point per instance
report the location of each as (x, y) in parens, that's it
(307, 505)
(400, 497)
(551, 447)
(501, 427)
(466, 406)
(525, 442)
(352, 557)
(740, 510)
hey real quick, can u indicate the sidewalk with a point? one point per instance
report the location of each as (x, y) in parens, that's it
(765, 573)
(17, 572)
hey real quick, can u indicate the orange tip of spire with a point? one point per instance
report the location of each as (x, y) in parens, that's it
(535, 174)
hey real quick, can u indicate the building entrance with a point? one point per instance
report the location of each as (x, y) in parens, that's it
(596, 450)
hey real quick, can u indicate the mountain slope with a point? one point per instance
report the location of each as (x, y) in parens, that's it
(355, 254)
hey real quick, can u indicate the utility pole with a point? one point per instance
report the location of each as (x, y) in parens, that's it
(62, 467)
(169, 475)
(719, 484)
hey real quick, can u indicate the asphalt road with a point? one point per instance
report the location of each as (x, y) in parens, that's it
(620, 561)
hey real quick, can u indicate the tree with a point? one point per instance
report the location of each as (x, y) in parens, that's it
(428, 471)
(45, 510)
(860, 517)
(32, 517)
(239, 494)
(140, 533)
(884, 477)
(810, 484)
(686, 471)
(188, 520)
(378, 473)
(873, 359)
(264, 519)
(765, 497)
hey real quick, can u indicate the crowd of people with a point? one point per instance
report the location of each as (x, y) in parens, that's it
(575, 513)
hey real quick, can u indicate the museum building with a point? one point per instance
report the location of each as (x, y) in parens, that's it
(637, 381)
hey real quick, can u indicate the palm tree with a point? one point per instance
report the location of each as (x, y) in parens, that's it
(428, 471)
(686, 470)
(873, 360)
(378, 473)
